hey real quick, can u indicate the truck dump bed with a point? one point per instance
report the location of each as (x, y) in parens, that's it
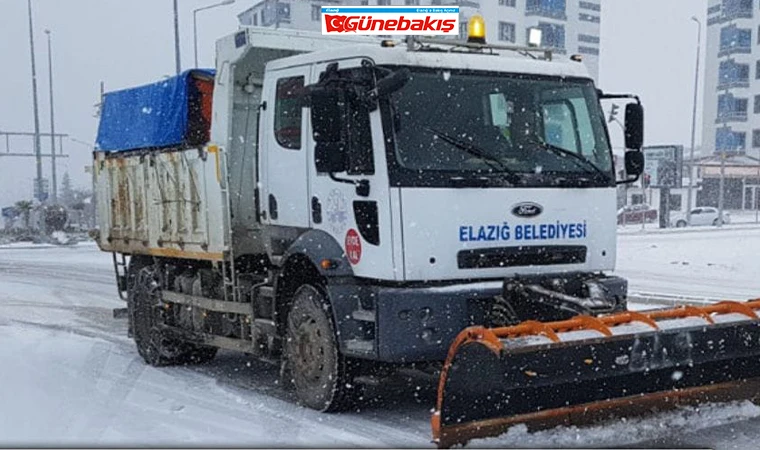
(159, 190)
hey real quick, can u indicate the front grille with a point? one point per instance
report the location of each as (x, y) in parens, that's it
(486, 258)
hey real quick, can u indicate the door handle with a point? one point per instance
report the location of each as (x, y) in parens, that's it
(272, 207)
(316, 210)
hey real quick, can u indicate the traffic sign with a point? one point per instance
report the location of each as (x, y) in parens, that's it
(10, 212)
(663, 165)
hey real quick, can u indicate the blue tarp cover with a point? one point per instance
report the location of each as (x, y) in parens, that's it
(151, 116)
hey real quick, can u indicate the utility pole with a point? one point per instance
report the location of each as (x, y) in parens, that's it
(37, 145)
(176, 39)
(694, 122)
(52, 120)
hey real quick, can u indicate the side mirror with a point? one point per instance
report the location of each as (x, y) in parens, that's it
(634, 163)
(634, 127)
(393, 82)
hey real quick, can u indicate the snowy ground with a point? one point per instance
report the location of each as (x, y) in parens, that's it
(708, 263)
(71, 377)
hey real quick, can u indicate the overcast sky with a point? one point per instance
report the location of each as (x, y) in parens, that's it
(648, 47)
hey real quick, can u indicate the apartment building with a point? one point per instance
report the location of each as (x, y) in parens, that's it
(732, 101)
(732, 77)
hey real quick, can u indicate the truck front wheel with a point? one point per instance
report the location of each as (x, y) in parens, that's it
(318, 370)
(156, 346)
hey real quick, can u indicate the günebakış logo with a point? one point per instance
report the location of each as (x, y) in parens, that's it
(391, 20)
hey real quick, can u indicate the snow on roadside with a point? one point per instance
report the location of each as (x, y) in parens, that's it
(26, 246)
(626, 431)
(44, 245)
(713, 264)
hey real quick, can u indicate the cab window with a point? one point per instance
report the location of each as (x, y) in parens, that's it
(288, 111)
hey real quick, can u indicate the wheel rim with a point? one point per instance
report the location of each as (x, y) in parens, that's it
(309, 351)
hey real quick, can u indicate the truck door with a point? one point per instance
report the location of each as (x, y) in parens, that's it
(353, 206)
(284, 176)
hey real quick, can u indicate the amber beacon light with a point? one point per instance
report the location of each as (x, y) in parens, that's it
(476, 32)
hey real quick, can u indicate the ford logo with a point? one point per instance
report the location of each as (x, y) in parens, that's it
(527, 209)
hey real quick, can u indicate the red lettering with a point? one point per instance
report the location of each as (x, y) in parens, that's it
(344, 24)
(429, 24)
(403, 24)
(351, 23)
(448, 25)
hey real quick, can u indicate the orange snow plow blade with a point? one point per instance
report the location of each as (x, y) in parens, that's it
(589, 369)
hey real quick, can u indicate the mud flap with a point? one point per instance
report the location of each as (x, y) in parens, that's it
(587, 369)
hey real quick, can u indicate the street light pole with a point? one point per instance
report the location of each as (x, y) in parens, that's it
(694, 122)
(37, 145)
(195, 36)
(722, 185)
(195, 24)
(52, 120)
(176, 39)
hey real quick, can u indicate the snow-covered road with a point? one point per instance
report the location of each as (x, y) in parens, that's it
(701, 263)
(70, 376)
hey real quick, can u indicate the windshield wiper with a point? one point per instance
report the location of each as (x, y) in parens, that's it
(492, 161)
(577, 159)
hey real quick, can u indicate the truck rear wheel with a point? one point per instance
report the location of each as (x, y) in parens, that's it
(136, 263)
(318, 370)
(156, 346)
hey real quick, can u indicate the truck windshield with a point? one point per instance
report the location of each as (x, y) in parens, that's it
(516, 128)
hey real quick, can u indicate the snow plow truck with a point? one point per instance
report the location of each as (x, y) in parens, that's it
(348, 205)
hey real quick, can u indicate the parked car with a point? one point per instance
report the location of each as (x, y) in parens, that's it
(700, 216)
(636, 214)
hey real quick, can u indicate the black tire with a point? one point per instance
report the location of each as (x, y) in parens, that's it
(715, 222)
(318, 371)
(136, 264)
(681, 224)
(156, 346)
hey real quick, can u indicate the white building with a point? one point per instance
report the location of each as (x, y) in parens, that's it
(569, 26)
(732, 102)
(732, 77)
